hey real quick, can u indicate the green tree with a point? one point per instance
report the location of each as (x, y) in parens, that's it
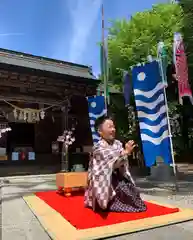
(131, 41)
(187, 6)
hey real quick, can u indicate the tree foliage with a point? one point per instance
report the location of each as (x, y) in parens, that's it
(187, 6)
(131, 41)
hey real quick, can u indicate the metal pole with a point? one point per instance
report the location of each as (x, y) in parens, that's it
(169, 130)
(103, 56)
(171, 143)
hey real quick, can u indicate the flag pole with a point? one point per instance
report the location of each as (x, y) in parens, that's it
(170, 138)
(103, 56)
(169, 126)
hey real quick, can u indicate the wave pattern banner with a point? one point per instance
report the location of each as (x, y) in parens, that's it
(96, 109)
(151, 111)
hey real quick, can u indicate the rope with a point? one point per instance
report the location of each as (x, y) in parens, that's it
(30, 109)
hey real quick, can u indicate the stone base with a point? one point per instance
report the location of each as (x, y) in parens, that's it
(140, 171)
(162, 172)
(67, 181)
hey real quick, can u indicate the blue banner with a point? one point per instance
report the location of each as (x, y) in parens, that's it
(151, 110)
(96, 109)
(127, 87)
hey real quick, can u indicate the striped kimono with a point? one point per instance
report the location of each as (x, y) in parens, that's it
(109, 188)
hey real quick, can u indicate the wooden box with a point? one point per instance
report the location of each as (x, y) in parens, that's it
(67, 181)
(3, 158)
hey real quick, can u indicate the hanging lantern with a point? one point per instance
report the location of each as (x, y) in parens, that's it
(33, 116)
(29, 117)
(15, 113)
(25, 115)
(21, 115)
(37, 117)
(42, 114)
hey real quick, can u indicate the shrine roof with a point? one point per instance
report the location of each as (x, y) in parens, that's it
(21, 59)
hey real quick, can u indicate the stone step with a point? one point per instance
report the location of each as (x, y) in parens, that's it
(185, 167)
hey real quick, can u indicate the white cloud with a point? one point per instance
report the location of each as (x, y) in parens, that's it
(6, 39)
(83, 14)
(10, 34)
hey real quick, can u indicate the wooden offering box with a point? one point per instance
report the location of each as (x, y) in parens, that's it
(66, 181)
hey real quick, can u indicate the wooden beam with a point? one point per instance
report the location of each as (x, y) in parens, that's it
(29, 85)
(32, 84)
(46, 90)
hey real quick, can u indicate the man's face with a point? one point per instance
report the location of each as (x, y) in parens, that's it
(107, 130)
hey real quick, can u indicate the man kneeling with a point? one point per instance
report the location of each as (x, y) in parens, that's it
(110, 185)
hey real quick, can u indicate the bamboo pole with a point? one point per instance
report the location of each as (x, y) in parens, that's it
(103, 57)
(169, 128)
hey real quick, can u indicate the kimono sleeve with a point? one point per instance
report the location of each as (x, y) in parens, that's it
(102, 191)
(106, 156)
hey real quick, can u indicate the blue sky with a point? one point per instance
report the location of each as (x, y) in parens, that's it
(62, 29)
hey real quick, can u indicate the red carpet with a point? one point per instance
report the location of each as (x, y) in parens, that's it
(73, 210)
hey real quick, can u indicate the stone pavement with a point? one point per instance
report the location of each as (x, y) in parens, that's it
(19, 223)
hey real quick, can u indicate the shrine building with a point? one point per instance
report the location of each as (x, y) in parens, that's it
(40, 98)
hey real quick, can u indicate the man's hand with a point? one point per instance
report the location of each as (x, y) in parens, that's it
(130, 146)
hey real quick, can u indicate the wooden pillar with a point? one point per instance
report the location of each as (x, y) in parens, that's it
(64, 157)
